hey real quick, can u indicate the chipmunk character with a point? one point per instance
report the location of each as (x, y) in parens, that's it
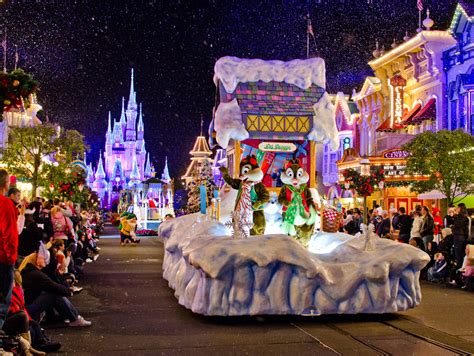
(252, 194)
(299, 212)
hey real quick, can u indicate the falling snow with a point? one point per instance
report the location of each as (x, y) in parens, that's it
(82, 51)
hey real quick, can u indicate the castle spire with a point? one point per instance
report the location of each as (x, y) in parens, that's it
(123, 120)
(147, 166)
(132, 98)
(100, 174)
(140, 120)
(109, 127)
(165, 177)
(135, 174)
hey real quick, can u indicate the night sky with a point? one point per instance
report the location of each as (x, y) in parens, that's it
(82, 51)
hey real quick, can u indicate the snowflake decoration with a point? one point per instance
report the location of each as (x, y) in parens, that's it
(238, 225)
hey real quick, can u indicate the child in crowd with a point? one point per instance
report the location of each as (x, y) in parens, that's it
(440, 269)
(467, 269)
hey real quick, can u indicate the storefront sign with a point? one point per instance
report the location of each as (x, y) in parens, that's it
(391, 170)
(277, 147)
(398, 83)
(395, 154)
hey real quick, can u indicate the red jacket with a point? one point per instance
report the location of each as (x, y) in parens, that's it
(8, 232)
(18, 301)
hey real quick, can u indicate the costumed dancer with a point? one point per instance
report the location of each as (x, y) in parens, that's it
(127, 233)
(251, 196)
(299, 211)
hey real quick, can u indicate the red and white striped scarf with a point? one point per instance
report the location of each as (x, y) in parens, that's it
(244, 206)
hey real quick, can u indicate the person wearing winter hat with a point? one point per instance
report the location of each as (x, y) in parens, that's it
(42, 293)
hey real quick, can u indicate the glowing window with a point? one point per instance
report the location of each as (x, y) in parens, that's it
(346, 143)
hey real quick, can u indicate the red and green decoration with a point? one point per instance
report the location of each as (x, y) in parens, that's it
(15, 87)
(70, 187)
(364, 185)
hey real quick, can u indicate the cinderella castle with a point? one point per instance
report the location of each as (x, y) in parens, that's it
(125, 162)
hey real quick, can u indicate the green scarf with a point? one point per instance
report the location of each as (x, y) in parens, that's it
(296, 203)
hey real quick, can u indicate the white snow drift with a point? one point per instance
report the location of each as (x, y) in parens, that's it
(214, 274)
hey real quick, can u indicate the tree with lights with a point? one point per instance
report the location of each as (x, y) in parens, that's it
(42, 155)
(446, 158)
(364, 185)
(203, 176)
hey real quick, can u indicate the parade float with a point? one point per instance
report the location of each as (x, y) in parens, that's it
(255, 249)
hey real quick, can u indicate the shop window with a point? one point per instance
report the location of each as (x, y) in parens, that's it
(471, 113)
(462, 111)
(333, 166)
(454, 119)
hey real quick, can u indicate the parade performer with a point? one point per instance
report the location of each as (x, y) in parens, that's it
(128, 228)
(252, 194)
(299, 211)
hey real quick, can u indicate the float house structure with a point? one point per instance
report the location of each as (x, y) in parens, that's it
(275, 110)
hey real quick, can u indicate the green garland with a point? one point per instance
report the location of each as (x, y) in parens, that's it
(15, 87)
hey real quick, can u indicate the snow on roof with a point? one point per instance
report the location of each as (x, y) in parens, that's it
(300, 72)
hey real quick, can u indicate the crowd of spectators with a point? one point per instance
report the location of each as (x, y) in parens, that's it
(44, 246)
(448, 240)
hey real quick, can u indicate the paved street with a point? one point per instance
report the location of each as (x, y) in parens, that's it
(132, 308)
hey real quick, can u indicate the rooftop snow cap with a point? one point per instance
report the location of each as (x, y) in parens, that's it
(300, 72)
(232, 71)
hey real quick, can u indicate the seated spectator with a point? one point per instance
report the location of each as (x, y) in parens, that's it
(62, 225)
(468, 272)
(19, 322)
(440, 270)
(42, 293)
(353, 226)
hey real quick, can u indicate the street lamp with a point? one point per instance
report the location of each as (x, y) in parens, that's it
(364, 166)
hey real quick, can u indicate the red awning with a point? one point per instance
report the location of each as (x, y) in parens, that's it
(387, 127)
(409, 115)
(427, 113)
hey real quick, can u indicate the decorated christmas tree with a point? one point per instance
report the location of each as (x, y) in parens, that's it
(202, 176)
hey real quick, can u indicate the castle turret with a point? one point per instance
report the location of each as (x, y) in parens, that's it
(140, 129)
(147, 173)
(117, 133)
(100, 173)
(131, 114)
(165, 176)
(135, 174)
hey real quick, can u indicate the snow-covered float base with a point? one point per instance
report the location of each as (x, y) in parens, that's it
(214, 274)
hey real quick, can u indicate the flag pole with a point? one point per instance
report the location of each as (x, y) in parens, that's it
(307, 37)
(419, 19)
(16, 56)
(5, 52)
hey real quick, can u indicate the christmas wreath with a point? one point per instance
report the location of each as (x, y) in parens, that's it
(15, 87)
(364, 185)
